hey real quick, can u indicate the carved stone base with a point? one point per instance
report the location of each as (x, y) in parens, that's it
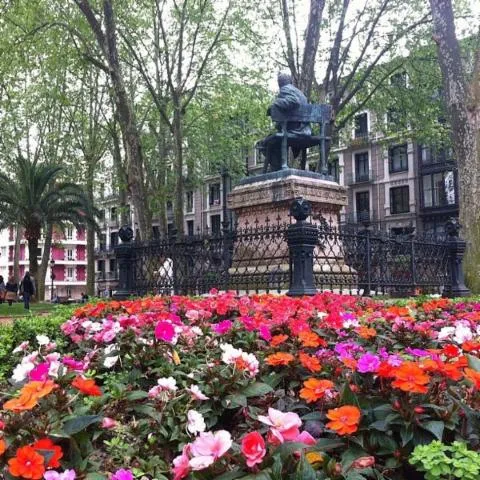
(265, 200)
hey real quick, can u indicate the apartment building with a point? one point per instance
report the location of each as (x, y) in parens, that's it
(68, 260)
(398, 185)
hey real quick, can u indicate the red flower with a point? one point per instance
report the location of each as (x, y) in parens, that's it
(87, 386)
(253, 448)
(27, 464)
(47, 444)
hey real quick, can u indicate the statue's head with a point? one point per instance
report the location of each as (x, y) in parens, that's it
(284, 79)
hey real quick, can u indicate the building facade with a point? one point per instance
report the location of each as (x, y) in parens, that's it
(69, 265)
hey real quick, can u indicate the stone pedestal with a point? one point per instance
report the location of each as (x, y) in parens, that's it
(265, 200)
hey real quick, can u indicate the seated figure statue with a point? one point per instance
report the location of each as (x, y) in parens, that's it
(288, 99)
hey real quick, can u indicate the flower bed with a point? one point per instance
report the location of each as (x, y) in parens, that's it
(260, 387)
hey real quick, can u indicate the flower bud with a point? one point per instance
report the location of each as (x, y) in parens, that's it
(419, 410)
(108, 423)
(363, 462)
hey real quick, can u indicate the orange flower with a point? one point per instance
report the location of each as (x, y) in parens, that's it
(27, 464)
(470, 346)
(87, 386)
(409, 377)
(366, 332)
(278, 340)
(473, 376)
(385, 370)
(350, 363)
(24, 402)
(314, 389)
(47, 444)
(310, 362)
(399, 311)
(3, 446)
(344, 420)
(279, 358)
(309, 339)
(38, 389)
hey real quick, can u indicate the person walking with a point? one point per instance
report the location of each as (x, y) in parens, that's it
(3, 290)
(11, 288)
(27, 290)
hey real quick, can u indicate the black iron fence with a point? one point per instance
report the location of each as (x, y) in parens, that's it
(298, 257)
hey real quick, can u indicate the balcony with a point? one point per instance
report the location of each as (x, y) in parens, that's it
(114, 223)
(363, 177)
(99, 276)
(111, 275)
(103, 251)
(360, 139)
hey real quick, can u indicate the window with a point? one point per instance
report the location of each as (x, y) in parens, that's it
(361, 125)
(334, 169)
(399, 200)
(362, 205)
(170, 228)
(100, 266)
(3, 251)
(113, 239)
(112, 265)
(430, 154)
(102, 215)
(113, 213)
(69, 232)
(69, 292)
(214, 194)
(190, 228)
(399, 80)
(39, 252)
(215, 224)
(394, 117)
(69, 254)
(156, 232)
(102, 241)
(398, 159)
(70, 273)
(438, 189)
(189, 202)
(361, 167)
(169, 207)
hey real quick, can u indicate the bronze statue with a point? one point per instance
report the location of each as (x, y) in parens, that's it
(289, 99)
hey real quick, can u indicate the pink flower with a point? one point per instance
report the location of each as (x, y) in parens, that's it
(22, 347)
(181, 465)
(264, 332)
(368, 363)
(208, 447)
(40, 372)
(165, 331)
(66, 475)
(306, 438)
(253, 448)
(284, 426)
(108, 423)
(122, 474)
(73, 364)
(223, 327)
(196, 393)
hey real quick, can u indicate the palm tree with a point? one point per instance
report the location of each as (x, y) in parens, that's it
(34, 197)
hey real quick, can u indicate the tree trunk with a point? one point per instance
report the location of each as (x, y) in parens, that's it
(179, 183)
(42, 272)
(90, 234)
(464, 115)
(16, 253)
(32, 255)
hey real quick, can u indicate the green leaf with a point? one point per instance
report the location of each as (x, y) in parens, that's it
(234, 401)
(312, 416)
(258, 476)
(273, 379)
(75, 425)
(256, 389)
(435, 427)
(47, 455)
(473, 362)
(326, 444)
(379, 425)
(149, 411)
(95, 476)
(347, 397)
(230, 475)
(137, 395)
(277, 468)
(304, 470)
(406, 434)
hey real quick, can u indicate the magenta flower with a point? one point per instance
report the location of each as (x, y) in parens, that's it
(368, 363)
(40, 372)
(122, 474)
(223, 327)
(165, 331)
(264, 332)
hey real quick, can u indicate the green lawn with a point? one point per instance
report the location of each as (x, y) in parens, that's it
(17, 310)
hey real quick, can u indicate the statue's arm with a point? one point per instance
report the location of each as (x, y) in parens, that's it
(286, 101)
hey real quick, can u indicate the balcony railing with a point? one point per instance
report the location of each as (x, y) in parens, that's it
(113, 222)
(99, 276)
(363, 177)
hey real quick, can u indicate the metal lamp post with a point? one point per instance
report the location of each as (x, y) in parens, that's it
(52, 278)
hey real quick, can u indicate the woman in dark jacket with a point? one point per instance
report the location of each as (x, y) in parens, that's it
(27, 289)
(11, 288)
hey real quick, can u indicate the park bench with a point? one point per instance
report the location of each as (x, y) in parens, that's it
(311, 113)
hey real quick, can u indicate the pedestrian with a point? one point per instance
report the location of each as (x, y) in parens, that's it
(11, 288)
(27, 290)
(3, 290)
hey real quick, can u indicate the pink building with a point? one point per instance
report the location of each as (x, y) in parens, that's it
(69, 252)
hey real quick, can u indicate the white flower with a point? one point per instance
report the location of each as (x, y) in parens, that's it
(352, 322)
(21, 371)
(196, 393)
(53, 368)
(197, 331)
(462, 334)
(168, 384)
(196, 422)
(446, 333)
(43, 340)
(109, 362)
